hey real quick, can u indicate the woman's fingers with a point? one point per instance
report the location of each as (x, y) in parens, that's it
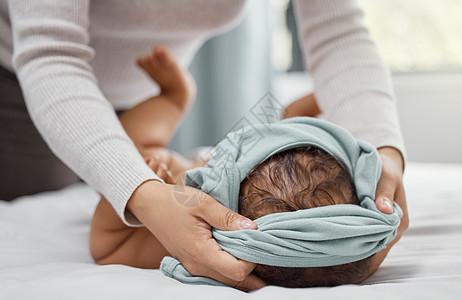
(385, 192)
(400, 198)
(221, 262)
(221, 217)
(181, 219)
(248, 284)
(223, 267)
(218, 216)
(390, 180)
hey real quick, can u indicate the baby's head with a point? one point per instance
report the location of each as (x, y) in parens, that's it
(295, 179)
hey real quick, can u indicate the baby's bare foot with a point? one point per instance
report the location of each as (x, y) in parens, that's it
(173, 81)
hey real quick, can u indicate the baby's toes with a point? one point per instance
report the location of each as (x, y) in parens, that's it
(145, 62)
(150, 65)
(162, 56)
(141, 61)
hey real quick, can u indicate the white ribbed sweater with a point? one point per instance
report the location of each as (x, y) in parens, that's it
(75, 62)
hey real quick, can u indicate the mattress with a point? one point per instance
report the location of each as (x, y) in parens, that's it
(44, 251)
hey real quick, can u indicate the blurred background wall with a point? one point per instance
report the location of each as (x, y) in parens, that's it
(421, 41)
(232, 72)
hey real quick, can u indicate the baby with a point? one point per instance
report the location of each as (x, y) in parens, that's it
(299, 178)
(295, 179)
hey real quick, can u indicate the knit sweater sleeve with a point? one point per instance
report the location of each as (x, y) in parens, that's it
(51, 58)
(352, 84)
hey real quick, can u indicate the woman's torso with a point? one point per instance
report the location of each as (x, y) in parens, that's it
(121, 30)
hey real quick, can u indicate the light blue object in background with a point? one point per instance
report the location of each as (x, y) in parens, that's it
(233, 72)
(316, 237)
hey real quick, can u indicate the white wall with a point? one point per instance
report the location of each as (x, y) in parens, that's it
(430, 111)
(429, 107)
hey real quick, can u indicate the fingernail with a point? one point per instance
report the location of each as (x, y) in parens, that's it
(163, 165)
(246, 224)
(386, 202)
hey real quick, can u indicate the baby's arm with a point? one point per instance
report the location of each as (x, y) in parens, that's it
(305, 106)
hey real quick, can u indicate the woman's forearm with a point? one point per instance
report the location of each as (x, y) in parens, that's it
(353, 85)
(64, 101)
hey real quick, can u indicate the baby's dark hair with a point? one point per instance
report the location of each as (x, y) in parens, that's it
(300, 178)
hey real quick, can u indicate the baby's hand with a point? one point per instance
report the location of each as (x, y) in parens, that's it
(160, 168)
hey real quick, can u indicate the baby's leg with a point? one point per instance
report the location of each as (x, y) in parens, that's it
(112, 242)
(154, 121)
(174, 82)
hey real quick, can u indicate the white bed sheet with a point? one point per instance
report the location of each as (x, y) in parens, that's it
(44, 251)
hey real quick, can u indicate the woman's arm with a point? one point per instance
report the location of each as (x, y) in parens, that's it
(51, 59)
(390, 182)
(150, 125)
(354, 89)
(353, 85)
(113, 242)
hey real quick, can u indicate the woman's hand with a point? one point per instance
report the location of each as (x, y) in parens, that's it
(181, 218)
(390, 189)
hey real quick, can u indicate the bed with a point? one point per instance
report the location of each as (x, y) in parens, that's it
(44, 251)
